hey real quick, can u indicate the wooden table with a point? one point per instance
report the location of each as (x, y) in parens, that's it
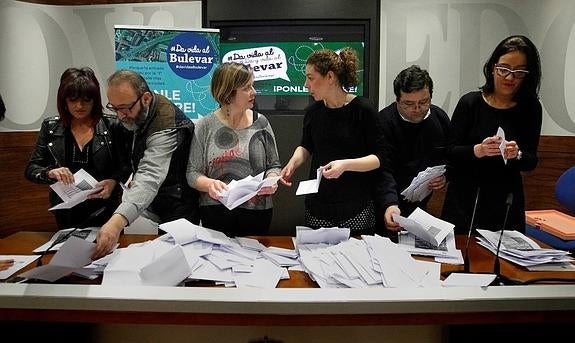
(481, 260)
(296, 301)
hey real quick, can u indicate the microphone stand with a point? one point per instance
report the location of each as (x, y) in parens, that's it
(499, 279)
(466, 250)
(65, 237)
(466, 257)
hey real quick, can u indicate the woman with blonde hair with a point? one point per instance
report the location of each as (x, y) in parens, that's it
(231, 143)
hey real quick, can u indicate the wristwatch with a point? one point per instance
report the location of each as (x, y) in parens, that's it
(519, 155)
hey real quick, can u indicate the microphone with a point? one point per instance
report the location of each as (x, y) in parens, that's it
(496, 265)
(65, 237)
(466, 257)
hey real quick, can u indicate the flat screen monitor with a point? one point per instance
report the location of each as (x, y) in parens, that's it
(278, 50)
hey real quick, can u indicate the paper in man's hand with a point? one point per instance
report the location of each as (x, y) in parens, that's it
(425, 226)
(419, 187)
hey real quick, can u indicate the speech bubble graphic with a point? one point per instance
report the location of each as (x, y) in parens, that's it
(191, 55)
(268, 62)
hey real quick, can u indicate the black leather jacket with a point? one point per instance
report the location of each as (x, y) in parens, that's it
(50, 150)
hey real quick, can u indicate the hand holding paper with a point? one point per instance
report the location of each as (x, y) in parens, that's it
(243, 190)
(84, 185)
(501, 134)
(310, 186)
(419, 187)
(425, 226)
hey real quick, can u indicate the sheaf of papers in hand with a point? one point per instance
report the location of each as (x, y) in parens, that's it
(425, 226)
(520, 249)
(240, 191)
(500, 133)
(72, 195)
(88, 234)
(419, 187)
(310, 186)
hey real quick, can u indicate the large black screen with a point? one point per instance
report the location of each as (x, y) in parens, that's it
(277, 50)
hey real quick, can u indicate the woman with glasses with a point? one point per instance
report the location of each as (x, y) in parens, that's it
(496, 135)
(341, 135)
(81, 137)
(416, 134)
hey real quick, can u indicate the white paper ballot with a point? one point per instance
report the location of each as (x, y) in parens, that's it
(240, 191)
(501, 133)
(310, 186)
(72, 195)
(20, 261)
(468, 279)
(126, 185)
(425, 226)
(74, 254)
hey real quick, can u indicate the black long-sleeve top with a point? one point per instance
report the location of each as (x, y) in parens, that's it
(473, 120)
(409, 149)
(332, 134)
(102, 158)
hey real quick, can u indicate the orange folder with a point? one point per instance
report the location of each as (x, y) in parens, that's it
(554, 222)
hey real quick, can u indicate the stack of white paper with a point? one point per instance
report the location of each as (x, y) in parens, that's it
(419, 187)
(191, 252)
(371, 262)
(520, 249)
(205, 255)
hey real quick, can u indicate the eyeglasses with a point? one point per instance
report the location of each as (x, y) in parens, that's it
(123, 109)
(504, 72)
(412, 105)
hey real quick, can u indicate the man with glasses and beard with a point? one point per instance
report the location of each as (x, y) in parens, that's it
(160, 136)
(416, 134)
